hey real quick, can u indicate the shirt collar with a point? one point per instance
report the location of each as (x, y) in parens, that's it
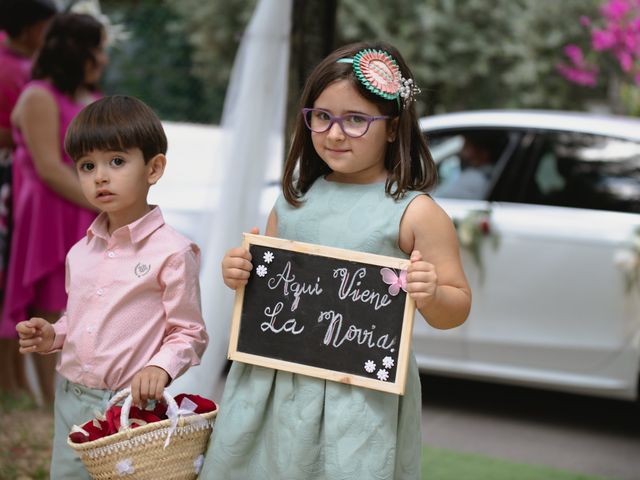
(138, 230)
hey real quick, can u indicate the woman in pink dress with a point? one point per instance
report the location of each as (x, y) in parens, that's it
(50, 212)
(23, 23)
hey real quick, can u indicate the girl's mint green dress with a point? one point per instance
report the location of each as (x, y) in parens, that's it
(276, 425)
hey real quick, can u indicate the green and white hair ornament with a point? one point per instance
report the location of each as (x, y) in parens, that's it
(379, 73)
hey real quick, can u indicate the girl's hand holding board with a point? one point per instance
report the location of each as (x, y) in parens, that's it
(236, 266)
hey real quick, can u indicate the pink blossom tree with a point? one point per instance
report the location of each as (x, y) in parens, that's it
(613, 51)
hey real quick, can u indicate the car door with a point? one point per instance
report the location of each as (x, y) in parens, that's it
(446, 351)
(553, 307)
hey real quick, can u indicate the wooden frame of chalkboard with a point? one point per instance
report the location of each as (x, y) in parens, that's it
(325, 312)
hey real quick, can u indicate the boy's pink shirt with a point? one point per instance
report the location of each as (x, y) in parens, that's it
(134, 301)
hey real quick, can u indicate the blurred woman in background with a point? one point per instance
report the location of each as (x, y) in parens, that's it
(50, 212)
(23, 23)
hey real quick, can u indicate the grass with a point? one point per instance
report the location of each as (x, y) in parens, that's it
(26, 432)
(439, 464)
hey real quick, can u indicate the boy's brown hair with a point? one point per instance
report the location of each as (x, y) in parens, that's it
(116, 123)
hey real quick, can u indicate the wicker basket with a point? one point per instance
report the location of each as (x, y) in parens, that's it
(140, 453)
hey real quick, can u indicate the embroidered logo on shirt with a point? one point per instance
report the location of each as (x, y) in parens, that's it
(142, 269)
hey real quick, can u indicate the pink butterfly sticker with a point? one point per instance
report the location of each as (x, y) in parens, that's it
(395, 282)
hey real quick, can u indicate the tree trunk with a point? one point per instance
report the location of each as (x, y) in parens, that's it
(312, 38)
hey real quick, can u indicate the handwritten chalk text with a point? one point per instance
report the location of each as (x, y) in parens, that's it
(287, 279)
(348, 289)
(335, 337)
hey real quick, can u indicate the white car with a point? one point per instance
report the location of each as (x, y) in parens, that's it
(551, 248)
(550, 244)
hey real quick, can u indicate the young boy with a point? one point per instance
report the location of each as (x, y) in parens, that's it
(133, 311)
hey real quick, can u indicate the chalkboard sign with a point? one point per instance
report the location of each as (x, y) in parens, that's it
(326, 312)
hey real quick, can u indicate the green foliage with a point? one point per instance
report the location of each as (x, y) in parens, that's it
(156, 63)
(465, 54)
(214, 30)
(10, 402)
(180, 54)
(469, 54)
(26, 432)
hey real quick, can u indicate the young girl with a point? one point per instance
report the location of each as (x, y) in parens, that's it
(24, 22)
(50, 213)
(355, 178)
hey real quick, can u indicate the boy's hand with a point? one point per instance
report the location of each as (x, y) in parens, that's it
(36, 335)
(422, 280)
(148, 384)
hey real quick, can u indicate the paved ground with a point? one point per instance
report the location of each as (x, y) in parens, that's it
(581, 434)
(576, 433)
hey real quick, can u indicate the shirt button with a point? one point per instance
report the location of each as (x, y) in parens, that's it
(90, 329)
(100, 291)
(111, 254)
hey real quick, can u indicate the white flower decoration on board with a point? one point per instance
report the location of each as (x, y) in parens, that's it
(261, 271)
(197, 463)
(125, 467)
(268, 257)
(370, 366)
(382, 375)
(388, 362)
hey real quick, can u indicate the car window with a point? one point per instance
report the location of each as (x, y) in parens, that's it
(586, 171)
(467, 161)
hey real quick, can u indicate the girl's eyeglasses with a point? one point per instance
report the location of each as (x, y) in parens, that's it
(353, 125)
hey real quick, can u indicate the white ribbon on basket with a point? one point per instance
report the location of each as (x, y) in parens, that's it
(174, 412)
(186, 408)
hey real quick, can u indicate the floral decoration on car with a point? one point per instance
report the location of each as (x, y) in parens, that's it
(629, 261)
(473, 230)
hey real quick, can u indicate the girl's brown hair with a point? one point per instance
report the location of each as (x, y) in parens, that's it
(407, 158)
(18, 15)
(68, 46)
